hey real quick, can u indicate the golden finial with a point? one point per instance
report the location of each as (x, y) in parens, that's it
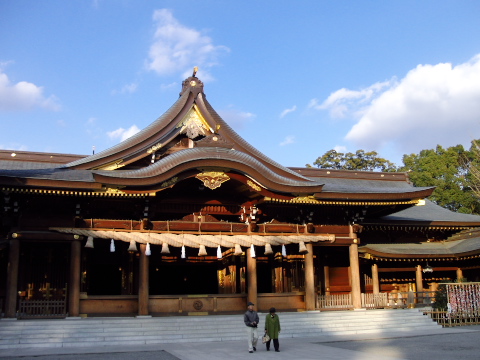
(195, 69)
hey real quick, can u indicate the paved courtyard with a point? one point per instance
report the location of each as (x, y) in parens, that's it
(455, 343)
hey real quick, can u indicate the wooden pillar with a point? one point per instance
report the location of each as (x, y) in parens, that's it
(12, 279)
(326, 275)
(375, 281)
(309, 279)
(355, 277)
(459, 274)
(143, 282)
(419, 282)
(251, 278)
(74, 283)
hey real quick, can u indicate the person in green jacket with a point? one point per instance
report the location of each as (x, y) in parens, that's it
(272, 328)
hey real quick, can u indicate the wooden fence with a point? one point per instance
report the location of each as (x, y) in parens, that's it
(374, 301)
(447, 319)
(377, 301)
(340, 301)
(37, 309)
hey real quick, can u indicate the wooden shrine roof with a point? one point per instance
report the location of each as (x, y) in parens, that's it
(457, 248)
(189, 138)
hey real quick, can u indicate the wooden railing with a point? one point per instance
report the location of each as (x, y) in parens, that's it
(447, 319)
(338, 301)
(28, 309)
(374, 301)
(377, 301)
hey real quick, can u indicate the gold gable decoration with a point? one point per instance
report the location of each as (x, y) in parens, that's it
(213, 179)
(194, 125)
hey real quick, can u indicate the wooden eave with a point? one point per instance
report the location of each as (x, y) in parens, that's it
(370, 254)
(160, 180)
(436, 225)
(381, 196)
(49, 184)
(38, 157)
(351, 174)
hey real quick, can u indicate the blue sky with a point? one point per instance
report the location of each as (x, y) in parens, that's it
(294, 78)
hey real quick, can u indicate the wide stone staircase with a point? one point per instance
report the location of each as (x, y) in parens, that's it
(88, 332)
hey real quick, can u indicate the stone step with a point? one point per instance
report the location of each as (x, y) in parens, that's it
(138, 331)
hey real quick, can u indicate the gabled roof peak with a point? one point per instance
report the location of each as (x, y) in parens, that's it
(192, 84)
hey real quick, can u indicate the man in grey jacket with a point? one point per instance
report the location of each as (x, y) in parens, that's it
(251, 320)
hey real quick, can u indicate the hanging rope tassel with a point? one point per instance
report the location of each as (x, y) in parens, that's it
(112, 246)
(252, 251)
(268, 249)
(302, 249)
(219, 252)
(238, 250)
(89, 243)
(133, 246)
(165, 249)
(284, 251)
(202, 251)
(148, 252)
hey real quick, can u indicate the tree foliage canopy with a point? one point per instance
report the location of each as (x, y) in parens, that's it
(361, 160)
(447, 170)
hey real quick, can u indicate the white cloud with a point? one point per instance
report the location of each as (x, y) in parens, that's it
(286, 111)
(235, 118)
(344, 101)
(340, 149)
(24, 96)
(14, 146)
(126, 89)
(123, 134)
(432, 104)
(290, 139)
(177, 48)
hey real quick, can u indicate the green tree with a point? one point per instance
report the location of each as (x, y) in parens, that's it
(360, 160)
(447, 170)
(472, 162)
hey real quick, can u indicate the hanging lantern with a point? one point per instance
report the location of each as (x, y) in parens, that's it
(302, 249)
(112, 246)
(148, 252)
(165, 249)
(202, 251)
(133, 246)
(183, 252)
(219, 252)
(238, 249)
(268, 249)
(284, 251)
(252, 251)
(89, 243)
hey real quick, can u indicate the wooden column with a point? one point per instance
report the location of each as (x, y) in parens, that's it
(74, 283)
(309, 279)
(355, 277)
(419, 278)
(12, 279)
(251, 278)
(375, 281)
(326, 275)
(459, 274)
(143, 282)
(419, 283)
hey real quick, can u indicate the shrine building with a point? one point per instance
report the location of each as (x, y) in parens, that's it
(186, 217)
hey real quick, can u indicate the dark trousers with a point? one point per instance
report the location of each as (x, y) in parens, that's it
(275, 344)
